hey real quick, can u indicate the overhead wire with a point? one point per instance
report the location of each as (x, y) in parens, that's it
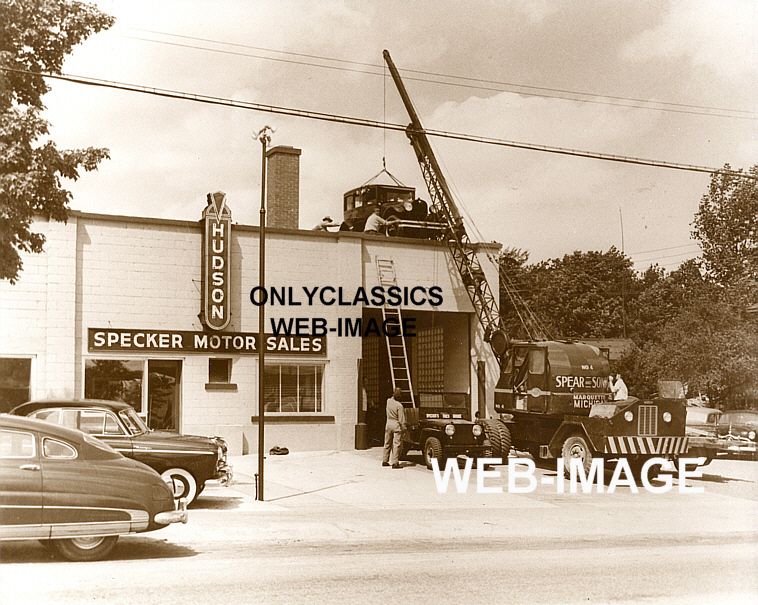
(532, 324)
(365, 122)
(632, 102)
(692, 244)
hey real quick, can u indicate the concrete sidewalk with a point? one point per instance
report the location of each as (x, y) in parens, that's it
(347, 496)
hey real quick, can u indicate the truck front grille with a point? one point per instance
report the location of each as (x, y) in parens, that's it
(647, 422)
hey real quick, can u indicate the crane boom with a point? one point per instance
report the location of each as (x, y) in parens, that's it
(460, 246)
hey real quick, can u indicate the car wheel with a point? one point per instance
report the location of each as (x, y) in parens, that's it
(576, 446)
(85, 548)
(185, 485)
(432, 451)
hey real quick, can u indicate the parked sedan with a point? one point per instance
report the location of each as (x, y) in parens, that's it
(739, 428)
(185, 461)
(73, 492)
(701, 428)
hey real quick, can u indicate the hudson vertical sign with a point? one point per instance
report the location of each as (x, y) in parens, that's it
(216, 278)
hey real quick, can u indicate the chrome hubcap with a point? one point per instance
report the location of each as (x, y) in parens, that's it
(88, 543)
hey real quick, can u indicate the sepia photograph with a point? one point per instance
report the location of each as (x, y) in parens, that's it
(353, 301)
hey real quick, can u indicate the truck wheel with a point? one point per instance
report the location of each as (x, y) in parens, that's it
(85, 549)
(499, 436)
(652, 472)
(576, 446)
(184, 484)
(432, 450)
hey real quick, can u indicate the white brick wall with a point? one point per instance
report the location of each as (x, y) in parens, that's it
(112, 272)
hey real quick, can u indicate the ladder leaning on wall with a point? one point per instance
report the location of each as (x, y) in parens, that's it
(397, 351)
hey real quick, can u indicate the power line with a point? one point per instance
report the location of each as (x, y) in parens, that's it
(633, 102)
(353, 121)
(431, 73)
(664, 249)
(649, 260)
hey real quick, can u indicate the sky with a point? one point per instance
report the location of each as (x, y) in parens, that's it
(166, 155)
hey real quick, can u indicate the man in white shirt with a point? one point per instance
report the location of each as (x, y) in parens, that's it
(620, 392)
(375, 222)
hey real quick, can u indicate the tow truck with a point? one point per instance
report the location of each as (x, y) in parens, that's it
(552, 398)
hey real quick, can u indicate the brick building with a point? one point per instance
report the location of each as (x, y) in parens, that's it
(114, 308)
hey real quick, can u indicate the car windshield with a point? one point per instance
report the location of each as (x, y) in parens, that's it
(133, 422)
(739, 418)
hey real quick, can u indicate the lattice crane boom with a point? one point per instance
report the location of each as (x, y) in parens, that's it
(461, 249)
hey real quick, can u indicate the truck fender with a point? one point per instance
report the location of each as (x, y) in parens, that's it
(566, 429)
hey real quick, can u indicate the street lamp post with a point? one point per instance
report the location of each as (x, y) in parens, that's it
(264, 137)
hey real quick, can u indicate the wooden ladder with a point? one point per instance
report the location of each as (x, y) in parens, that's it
(396, 348)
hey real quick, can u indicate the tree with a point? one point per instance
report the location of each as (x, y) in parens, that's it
(36, 36)
(514, 286)
(584, 294)
(662, 297)
(710, 346)
(726, 225)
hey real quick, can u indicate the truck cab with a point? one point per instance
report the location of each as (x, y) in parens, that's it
(556, 397)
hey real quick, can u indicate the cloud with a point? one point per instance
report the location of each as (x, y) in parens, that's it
(167, 154)
(718, 35)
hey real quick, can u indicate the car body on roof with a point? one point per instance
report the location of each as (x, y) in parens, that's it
(187, 461)
(73, 492)
(739, 429)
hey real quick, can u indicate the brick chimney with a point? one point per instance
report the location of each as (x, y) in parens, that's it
(283, 187)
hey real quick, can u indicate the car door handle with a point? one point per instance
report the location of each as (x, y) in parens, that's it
(29, 467)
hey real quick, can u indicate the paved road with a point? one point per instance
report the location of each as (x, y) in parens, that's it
(338, 529)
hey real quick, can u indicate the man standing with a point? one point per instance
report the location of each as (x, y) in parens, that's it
(620, 392)
(393, 430)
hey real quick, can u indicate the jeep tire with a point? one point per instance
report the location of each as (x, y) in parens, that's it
(432, 450)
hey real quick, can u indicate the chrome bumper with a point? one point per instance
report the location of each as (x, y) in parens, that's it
(225, 475)
(174, 516)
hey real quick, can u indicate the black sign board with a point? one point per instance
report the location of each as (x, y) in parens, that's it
(184, 341)
(216, 265)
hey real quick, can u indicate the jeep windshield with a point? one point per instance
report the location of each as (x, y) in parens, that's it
(133, 422)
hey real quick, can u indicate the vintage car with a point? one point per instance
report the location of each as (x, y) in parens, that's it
(73, 492)
(701, 428)
(186, 461)
(738, 428)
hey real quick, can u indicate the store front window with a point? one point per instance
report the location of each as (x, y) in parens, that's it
(15, 382)
(152, 387)
(293, 388)
(163, 394)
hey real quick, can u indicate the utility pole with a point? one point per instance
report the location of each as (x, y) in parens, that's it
(623, 276)
(264, 137)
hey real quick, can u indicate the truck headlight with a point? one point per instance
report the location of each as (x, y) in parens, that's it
(751, 435)
(450, 430)
(628, 416)
(477, 430)
(666, 416)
